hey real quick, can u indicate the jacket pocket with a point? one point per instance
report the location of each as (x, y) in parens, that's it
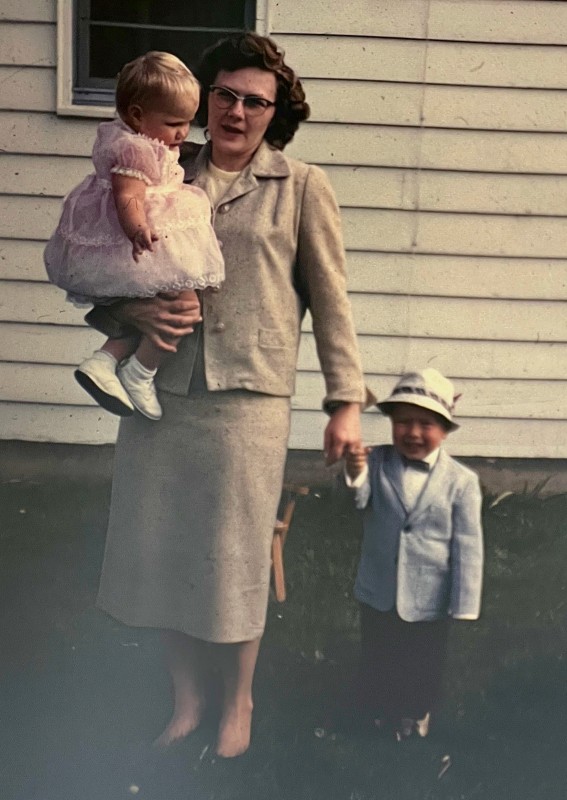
(432, 589)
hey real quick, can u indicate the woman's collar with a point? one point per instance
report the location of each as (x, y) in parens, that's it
(267, 162)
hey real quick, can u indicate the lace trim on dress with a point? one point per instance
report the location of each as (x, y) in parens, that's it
(131, 173)
(210, 279)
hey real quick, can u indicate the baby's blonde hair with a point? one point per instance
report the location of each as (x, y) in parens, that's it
(152, 78)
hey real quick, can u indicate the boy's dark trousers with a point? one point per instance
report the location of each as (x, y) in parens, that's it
(401, 664)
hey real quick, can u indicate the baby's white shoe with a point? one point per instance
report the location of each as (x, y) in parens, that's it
(139, 383)
(97, 375)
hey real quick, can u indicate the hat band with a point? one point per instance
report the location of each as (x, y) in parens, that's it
(423, 393)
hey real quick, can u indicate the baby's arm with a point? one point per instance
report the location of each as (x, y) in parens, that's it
(129, 195)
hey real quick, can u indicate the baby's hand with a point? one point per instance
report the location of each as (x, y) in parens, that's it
(142, 240)
(355, 461)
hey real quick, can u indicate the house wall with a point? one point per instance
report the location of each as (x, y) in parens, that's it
(440, 124)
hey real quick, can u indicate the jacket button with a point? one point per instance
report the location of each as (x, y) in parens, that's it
(224, 209)
(215, 289)
(219, 327)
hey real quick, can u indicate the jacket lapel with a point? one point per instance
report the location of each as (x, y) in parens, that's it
(266, 163)
(435, 487)
(393, 472)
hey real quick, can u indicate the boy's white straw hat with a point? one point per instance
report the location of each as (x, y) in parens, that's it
(426, 388)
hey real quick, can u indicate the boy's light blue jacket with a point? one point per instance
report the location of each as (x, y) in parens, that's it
(426, 561)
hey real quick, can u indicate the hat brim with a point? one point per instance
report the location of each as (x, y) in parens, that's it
(417, 400)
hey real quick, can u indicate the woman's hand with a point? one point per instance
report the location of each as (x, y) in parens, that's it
(163, 319)
(355, 461)
(342, 432)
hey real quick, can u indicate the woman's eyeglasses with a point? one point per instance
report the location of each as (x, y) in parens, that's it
(252, 104)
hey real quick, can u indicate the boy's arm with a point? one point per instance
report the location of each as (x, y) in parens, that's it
(129, 195)
(356, 476)
(467, 552)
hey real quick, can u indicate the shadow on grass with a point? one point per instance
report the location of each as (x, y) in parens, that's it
(82, 697)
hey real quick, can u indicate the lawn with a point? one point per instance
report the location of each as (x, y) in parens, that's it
(82, 697)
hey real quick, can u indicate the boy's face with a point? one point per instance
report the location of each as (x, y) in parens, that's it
(416, 432)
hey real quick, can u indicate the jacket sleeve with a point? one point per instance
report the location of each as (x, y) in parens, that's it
(467, 552)
(321, 276)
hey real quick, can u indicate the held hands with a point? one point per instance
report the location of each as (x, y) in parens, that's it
(355, 461)
(142, 239)
(164, 319)
(342, 432)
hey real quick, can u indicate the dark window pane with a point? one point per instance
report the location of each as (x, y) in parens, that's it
(111, 33)
(199, 13)
(111, 48)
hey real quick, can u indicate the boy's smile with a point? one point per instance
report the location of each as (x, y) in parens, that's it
(416, 431)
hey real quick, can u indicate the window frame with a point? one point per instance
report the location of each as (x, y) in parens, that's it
(66, 48)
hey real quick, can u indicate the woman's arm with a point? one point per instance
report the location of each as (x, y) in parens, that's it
(322, 274)
(129, 195)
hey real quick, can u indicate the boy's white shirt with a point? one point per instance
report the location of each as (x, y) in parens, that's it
(413, 482)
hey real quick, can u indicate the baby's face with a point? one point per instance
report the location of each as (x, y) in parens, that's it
(168, 123)
(416, 431)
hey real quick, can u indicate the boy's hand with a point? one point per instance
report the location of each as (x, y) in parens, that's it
(355, 461)
(142, 239)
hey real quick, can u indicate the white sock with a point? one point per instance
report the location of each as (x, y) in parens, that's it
(138, 370)
(106, 354)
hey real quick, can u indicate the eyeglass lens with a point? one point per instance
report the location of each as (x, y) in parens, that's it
(225, 98)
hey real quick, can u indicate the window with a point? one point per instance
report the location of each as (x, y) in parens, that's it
(96, 37)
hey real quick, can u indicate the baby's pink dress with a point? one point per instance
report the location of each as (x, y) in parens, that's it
(90, 256)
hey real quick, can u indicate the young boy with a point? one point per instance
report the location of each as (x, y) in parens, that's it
(422, 553)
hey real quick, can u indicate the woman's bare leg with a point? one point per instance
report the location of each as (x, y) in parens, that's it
(237, 663)
(185, 660)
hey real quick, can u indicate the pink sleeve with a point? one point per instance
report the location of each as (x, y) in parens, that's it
(134, 156)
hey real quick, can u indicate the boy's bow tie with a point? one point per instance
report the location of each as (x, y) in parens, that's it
(422, 466)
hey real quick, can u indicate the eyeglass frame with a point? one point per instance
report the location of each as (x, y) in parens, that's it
(243, 98)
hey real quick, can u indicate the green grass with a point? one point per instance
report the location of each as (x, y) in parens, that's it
(82, 696)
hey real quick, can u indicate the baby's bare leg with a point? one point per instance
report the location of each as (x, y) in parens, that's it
(120, 348)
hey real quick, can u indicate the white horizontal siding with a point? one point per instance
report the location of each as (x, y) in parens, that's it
(28, 88)
(490, 437)
(412, 61)
(333, 144)
(28, 10)
(368, 229)
(477, 437)
(502, 399)
(23, 44)
(358, 187)
(441, 126)
(480, 108)
(390, 315)
(57, 423)
(49, 384)
(55, 344)
(394, 273)
(534, 21)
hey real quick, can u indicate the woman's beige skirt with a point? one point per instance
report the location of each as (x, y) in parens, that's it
(194, 500)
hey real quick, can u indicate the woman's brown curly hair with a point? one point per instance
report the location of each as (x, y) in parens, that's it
(252, 50)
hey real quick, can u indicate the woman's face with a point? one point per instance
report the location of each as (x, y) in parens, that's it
(235, 133)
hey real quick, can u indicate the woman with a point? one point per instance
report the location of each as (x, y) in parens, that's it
(194, 497)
